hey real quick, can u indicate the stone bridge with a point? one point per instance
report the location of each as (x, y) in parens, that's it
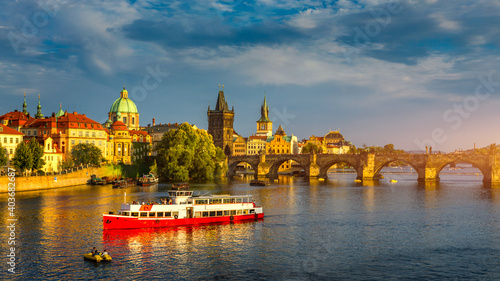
(368, 166)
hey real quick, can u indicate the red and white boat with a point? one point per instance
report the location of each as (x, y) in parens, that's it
(182, 208)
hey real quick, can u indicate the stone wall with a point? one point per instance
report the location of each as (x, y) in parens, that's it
(48, 182)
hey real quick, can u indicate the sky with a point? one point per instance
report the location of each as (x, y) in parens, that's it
(412, 73)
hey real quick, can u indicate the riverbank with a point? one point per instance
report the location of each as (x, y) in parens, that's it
(56, 181)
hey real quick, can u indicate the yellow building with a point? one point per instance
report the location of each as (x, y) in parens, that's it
(331, 143)
(9, 138)
(239, 146)
(141, 145)
(119, 145)
(280, 143)
(52, 156)
(256, 144)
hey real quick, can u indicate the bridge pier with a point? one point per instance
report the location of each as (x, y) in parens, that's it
(313, 170)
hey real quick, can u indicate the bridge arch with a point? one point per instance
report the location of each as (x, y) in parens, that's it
(323, 171)
(378, 168)
(273, 170)
(485, 171)
(232, 165)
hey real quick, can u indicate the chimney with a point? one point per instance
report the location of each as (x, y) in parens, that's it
(75, 113)
(154, 122)
(53, 114)
(84, 115)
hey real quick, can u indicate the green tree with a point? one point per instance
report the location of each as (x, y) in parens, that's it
(23, 158)
(311, 147)
(3, 156)
(66, 164)
(86, 153)
(37, 154)
(188, 153)
(153, 169)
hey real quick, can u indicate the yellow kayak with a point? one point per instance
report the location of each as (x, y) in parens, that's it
(97, 258)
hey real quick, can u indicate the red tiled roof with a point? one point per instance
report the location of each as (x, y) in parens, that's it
(8, 131)
(136, 132)
(118, 125)
(68, 120)
(16, 118)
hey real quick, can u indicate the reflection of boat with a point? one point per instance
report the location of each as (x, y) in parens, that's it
(180, 185)
(356, 180)
(124, 183)
(259, 183)
(182, 208)
(97, 258)
(147, 180)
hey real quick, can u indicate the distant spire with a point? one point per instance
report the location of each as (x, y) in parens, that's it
(124, 93)
(39, 114)
(25, 106)
(221, 101)
(264, 111)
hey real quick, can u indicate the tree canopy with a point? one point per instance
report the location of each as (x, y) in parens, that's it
(37, 154)
(311, 147)
(3, 156)
(86, 153)
(388, 148)
(23, 158)
(188, 153)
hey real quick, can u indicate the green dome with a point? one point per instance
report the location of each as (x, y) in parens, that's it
(123, 105)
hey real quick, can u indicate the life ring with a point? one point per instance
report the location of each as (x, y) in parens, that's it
(231, 218)
(175, 217)
(256, 216)
(157, 221)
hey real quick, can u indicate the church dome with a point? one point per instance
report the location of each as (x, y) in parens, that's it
(123, 104)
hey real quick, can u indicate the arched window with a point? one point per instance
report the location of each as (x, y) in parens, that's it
(133, 120)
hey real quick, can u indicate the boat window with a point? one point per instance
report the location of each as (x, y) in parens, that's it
(134, 214)
(189, 193)
(144, 214)
(239, 200)
(245, 200)
(205, 214)
(175, 214)
(252, 211)
(233, 212)
(219, 213)
(226, 213)
(245, 212)
(212, 213)
(171, 193)
(216, 201)
(197, 214)
(238, 212)
(159, 214)
(168, 214)
(152, 214)
(201, 201)
(125, 213)
(226, 201)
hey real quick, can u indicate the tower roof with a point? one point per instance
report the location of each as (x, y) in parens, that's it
(60, 112)
(264, 111)
(123, 104)
(221, 102)
(39, 114)
(280, 131)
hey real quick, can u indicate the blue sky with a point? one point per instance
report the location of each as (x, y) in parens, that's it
(412, 73)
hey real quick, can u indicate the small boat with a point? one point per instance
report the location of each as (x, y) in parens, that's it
(147, 180)
(123, 183)
(97, 258)
(94, 180)
(394, 180)
(357, 180)
(183, 208)
(259, 183)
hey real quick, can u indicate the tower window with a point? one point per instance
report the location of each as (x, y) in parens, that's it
(133, 120)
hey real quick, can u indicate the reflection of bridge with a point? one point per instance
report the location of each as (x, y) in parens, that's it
(368, 166)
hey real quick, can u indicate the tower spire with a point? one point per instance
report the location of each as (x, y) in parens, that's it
(25, 106)
(39, 114)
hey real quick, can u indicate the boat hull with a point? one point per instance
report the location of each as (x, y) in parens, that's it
(96, 258)
(121, 222)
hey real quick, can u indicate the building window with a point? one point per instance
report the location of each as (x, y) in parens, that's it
(72, 141)
(4, 140)
(86, 134)
(29, 133)
(93, 134)
(11, 140)
(80, 134)
(133, 120)
(17, 140)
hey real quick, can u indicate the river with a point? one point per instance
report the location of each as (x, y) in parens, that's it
(312, 230)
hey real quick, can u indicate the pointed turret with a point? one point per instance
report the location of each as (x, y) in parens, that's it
(280, 132)
(221, 102)
(39, 114)
(264, 111)
(60, 112)
(25, 106)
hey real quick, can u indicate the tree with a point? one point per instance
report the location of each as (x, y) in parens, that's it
(153, 169)
(37, 154)
(3, 156)
(188, 153)
(86, 153)
(23, 158)
(311, 147)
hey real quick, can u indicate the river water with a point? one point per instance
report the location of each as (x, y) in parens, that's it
(313, 230)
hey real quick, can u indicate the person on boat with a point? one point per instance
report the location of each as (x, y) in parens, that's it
(104, 252)
(93, 251)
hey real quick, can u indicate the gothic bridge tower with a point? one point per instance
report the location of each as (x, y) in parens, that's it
(220, 123)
